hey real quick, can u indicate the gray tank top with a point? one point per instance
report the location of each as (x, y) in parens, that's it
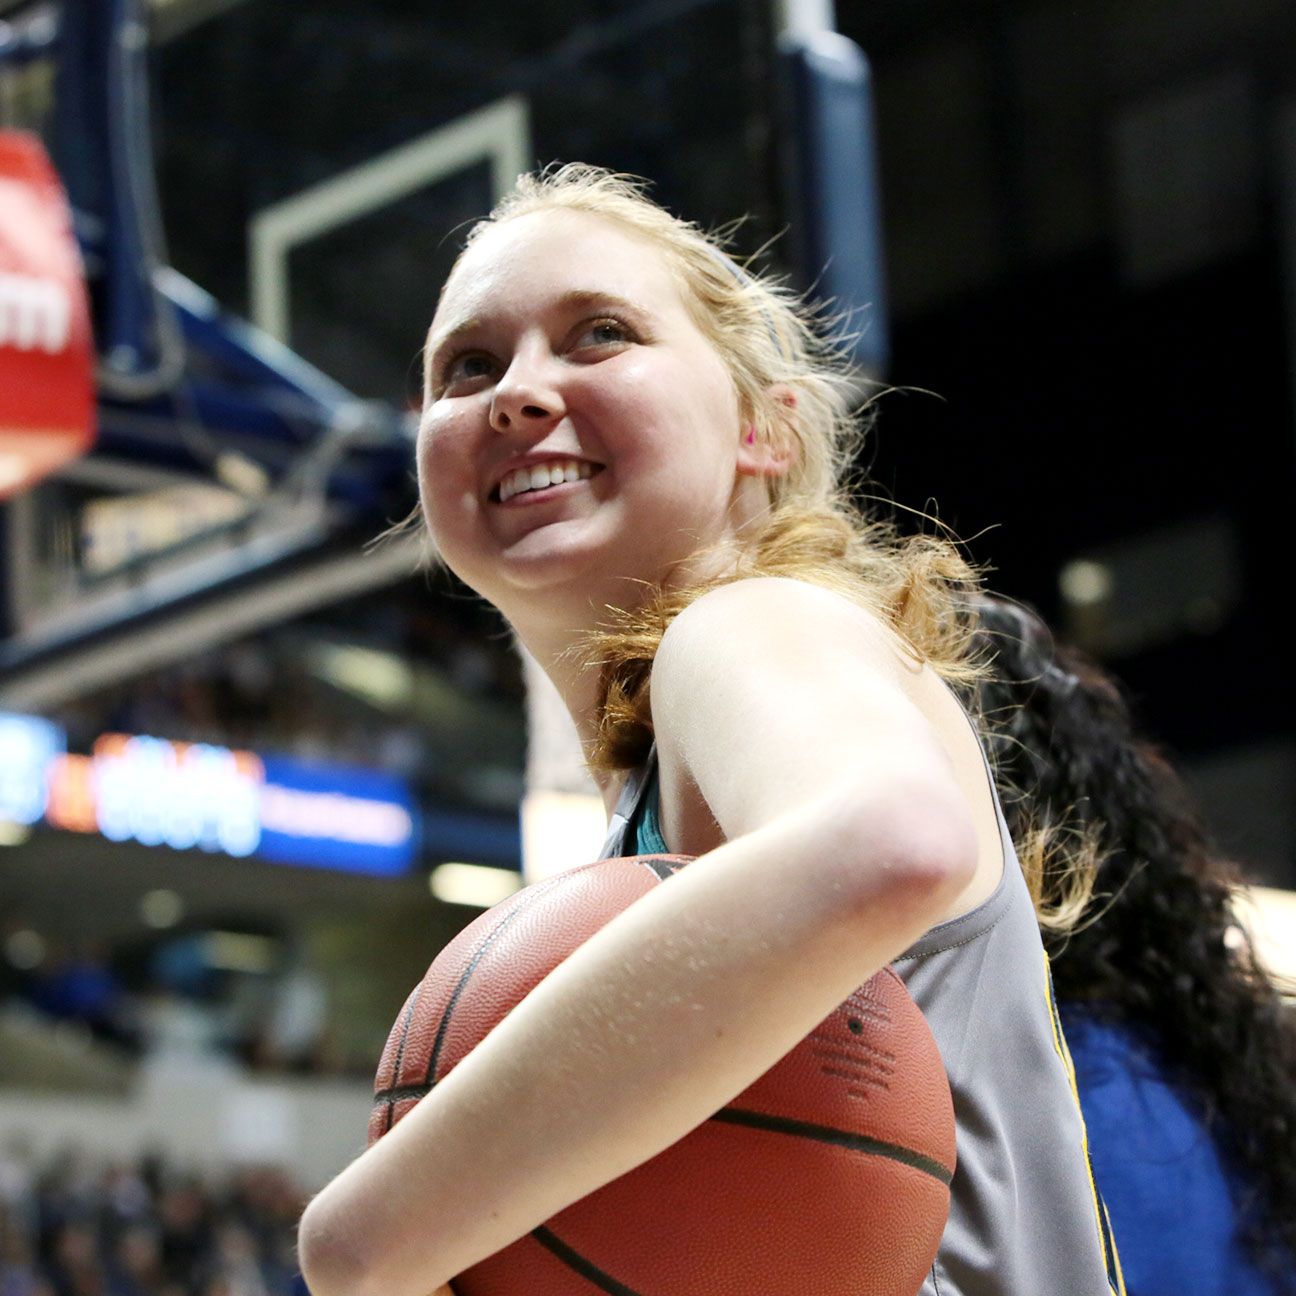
(1025, 1216)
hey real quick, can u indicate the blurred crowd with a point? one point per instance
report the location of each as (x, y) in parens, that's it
(75, 1227)
(171, 1000)
(290, 691)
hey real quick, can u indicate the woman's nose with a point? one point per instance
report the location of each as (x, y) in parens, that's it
(525, 397)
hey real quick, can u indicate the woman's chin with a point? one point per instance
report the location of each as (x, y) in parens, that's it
(595, 560)
(571, 569)
(541, 561)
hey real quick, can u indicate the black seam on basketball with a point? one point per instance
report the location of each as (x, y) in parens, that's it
(536, 891)
(400, 1048)
(841, 1138)
(399, 1093)
(577, 1262)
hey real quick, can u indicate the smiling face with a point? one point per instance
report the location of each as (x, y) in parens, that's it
(579, 433)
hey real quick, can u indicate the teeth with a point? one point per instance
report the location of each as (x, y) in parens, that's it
(521, 480)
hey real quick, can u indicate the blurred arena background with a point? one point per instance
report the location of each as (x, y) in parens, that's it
(256, 767)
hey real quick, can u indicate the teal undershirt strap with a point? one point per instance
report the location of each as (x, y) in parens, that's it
(645, 827)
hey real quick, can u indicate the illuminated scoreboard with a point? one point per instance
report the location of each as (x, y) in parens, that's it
(199, 796)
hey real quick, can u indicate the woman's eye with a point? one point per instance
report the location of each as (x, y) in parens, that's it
(604, 333)
(466, 367)
(461, 370)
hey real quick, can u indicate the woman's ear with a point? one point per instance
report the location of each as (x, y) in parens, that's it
(768, 444)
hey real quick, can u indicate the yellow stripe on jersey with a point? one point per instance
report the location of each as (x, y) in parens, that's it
(1115, 1278)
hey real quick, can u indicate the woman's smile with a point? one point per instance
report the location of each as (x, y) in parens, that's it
(530, 483)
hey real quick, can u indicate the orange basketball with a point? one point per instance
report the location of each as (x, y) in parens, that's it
(828, 1175)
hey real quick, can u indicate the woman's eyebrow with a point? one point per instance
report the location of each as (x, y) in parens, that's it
(587, 298)
(439, 341)
(575, 299)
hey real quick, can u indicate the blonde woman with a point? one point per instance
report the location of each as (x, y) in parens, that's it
(631, 447)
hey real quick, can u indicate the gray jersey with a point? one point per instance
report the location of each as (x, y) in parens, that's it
(1025, 1217)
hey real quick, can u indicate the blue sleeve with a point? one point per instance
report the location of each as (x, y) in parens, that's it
(1158, 1168)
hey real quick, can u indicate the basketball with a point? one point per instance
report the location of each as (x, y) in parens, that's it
(830, 1174)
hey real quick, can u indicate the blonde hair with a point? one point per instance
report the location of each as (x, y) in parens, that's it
(767, 337)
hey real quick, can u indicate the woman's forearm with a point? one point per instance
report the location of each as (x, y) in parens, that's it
(648, 1029)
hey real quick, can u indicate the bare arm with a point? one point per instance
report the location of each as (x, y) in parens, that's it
(847, 838)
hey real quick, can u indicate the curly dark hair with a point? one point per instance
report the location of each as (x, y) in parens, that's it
(1159, 946)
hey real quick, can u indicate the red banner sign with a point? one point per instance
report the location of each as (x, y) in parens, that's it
(47, 412)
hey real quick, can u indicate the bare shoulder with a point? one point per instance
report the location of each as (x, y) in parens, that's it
(766, 690)
(771, 618)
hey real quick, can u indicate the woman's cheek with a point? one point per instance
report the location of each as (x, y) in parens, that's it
(442, 469)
